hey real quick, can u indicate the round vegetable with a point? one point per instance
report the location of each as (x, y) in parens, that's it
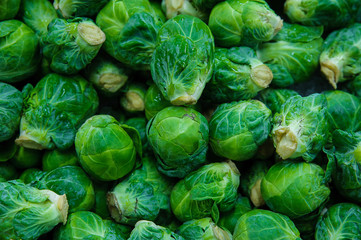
(104, 148)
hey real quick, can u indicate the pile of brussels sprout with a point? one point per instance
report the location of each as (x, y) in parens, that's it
(180, 119)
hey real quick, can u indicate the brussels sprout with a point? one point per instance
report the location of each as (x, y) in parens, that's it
(251, 182)
(203, 228)
(54, 109)
(19, 51)
(332, 14)
(38, 14)
(26, 212)
(31, 175)
(228, 220)
(72, 44)
(183, 61)
(238, 75)
(243, 23)
(263, 225)
(131, 28)
(57, 158)
(26, 158)
(301, 127)
(79, 8)
(148, 230)
(141, 196)
(11, 103)
(275, 98)
(100, 205)
(105, 149)
(198, 8)
(343, 110)
(206, 191)
(293, 54)
(179, 138)
(88, 225)
(72, 181)
(237, 129)
(346, 162)
(294, 188)
(107, 75)
(340, 55)
(341, 221)
(154, 101)
(9, 9)
(133, 98)
(7, 172)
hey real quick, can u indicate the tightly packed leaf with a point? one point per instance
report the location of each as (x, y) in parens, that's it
(301, 127)
(237, 129)
(70, 45)
(19, 51)
(340, 57)
(293, 54)
(111, 159)
(27, 213)
(183, 61)
(206, 192)
(238, 75)
(243, 23)
(179, 138)
(54, 109)
(131, 28)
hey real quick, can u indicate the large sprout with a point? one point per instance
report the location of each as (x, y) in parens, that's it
(54, 109)
(237, 129)
(183, 61)
(332, 14)
(341, 221)
(243, 23)
(70, 45)
(343, 110)
(345, 162)
(71, 181)
(238, 75)
(27, 213)
(144, 195)
(11, 103)
(294, 188)
(30, 10)
(263, 225)
(301, 127)
(340, 55)
(106, 149)
(206, 192)
(179, 138)
(293, 54)
(19, 51)
(131, 28)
